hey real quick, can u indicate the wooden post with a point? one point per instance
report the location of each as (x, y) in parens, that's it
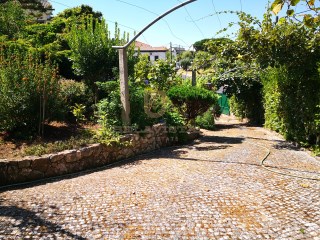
(194, 78)
(124, 86)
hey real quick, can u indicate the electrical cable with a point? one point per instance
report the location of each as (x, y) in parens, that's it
(60, 3)
(147, 10)
(106, 20)
(192, 19)
(214, 9)
(128, 28)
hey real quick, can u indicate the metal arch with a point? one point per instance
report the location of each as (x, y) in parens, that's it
(153, 22)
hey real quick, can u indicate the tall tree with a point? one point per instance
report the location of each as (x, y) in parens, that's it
(92, 54)
(81, 11)
(35, 5)
(12, 19)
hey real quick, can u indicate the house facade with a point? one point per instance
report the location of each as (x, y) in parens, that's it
(154, 53)
(47, 15)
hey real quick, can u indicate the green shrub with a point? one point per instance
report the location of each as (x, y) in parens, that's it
(206, 120)
(172, 117)
(138, 115)
(247, 102)
(28, 92)
(191, 101)
(291, 97)
(238, 107)
(111, 108)
(105, 88)
(78, 112)
(73, 93)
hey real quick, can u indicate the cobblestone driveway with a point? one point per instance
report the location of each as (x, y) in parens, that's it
(212, 189)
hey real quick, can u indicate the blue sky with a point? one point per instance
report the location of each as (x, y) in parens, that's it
(182, 27)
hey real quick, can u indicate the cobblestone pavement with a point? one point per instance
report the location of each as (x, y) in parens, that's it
(214, 188)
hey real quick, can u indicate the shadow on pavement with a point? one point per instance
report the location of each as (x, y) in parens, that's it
(24, 219)
(220, 140)
(220, 126)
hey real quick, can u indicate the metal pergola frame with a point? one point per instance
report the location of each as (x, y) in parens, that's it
(123, 65)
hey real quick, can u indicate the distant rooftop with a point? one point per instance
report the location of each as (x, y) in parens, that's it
(148, 48)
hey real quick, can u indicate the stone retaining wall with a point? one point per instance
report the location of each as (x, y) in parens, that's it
(72, 161)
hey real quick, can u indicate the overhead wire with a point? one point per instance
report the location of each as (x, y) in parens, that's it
(192, 19)
(147, 10)
(115, 22)
(214, 9)
(135, 30)
(62, 4)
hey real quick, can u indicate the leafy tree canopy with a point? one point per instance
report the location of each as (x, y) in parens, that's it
(81, 11)
(311, 13)
(12, 19)
(37, 5)
(200, 45)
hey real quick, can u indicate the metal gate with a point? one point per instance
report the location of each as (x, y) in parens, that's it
(224, 104)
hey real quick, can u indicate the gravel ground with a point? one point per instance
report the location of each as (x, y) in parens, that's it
(214, 188)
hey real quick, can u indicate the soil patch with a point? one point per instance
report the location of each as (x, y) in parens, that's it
(13, 148)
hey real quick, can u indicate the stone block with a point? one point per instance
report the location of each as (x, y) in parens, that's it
(35, 175)
(59, 169)
(26, 171)
(3, 163)
(86, 152)
(70, 155)
(3, 176)
(56, 157)
(75, 166)
(24, 163)
(12, 168)
(40, 164)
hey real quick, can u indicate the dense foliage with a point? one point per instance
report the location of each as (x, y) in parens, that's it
(270, 71)
(28, 91)
(191, 101)
(92, 54)
(159, 75)
(12, 19)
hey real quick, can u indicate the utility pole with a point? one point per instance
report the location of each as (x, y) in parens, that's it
(123, 65)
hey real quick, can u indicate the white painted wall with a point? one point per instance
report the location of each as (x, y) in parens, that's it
(161, 55)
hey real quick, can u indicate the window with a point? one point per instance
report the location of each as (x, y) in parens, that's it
(156, 58)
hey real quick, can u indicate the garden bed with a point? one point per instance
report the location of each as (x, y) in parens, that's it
(31, 168)
(58, 137)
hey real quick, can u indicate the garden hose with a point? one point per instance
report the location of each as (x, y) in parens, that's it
(278, 172)
(268, 152)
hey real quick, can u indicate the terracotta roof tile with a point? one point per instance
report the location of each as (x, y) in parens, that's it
(148, 48)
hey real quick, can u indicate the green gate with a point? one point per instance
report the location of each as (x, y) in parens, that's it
(224, 104)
